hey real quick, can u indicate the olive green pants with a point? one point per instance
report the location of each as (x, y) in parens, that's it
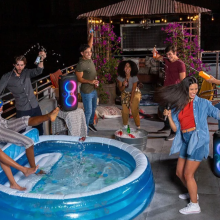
(134, 109)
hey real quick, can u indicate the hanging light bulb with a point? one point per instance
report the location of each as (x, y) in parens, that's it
(100, 21)
(11, 103)
(188, 17)
(127, 21)
(181, 19)
(162, 19)
(122, 19)
(165, 20)
(212, 18)
(111, 22)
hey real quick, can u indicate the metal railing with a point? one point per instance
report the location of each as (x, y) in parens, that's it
(42, 89)
(212, 57)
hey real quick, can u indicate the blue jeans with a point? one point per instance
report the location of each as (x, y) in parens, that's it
(218, 106)
(89, 103)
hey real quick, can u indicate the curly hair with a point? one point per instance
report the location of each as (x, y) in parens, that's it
(121, 68)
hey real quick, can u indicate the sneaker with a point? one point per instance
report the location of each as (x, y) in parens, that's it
(92, 128)
(186, 196)
(191, 208)
(165, 128)
(170, 137)
(125, 126)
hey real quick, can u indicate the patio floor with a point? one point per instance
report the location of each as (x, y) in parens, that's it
(165, 203)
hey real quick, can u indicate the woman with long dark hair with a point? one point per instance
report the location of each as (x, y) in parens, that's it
(130, 93)
(188, 118)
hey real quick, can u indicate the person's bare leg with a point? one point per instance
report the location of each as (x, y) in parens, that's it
(5, 159)
(31, 160)
(11, 179)
(34, 121)
(180, 170)
(189, 171)
(6, 162)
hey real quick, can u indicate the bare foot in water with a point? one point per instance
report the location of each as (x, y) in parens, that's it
(29, 171)
(16, 186)
(52, 115)
(41, 172)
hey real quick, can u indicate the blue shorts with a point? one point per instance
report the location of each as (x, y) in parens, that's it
(197, 155)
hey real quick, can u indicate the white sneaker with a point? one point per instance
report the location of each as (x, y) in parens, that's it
(125, 126)
(191, 208)
(186, 196)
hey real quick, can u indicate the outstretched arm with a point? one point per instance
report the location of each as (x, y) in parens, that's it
(213, 80)
(90, 42)
(158, 57)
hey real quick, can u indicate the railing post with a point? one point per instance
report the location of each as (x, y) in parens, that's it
(217, 62)
(36, 90)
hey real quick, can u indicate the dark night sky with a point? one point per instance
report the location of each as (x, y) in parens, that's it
(53, 24)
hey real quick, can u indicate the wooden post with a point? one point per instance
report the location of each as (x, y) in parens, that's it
(199, 35)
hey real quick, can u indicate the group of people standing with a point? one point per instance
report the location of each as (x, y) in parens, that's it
(187, 116)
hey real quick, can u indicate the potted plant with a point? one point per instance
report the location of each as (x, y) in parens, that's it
(106, 47)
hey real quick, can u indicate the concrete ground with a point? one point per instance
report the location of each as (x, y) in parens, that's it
(165, 203)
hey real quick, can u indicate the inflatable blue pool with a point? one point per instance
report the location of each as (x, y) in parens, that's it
(121, 197)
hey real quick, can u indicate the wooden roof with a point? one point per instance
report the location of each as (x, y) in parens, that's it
(144, 7)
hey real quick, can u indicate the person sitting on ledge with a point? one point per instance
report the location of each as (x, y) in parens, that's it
(9, 134)
(130, 93)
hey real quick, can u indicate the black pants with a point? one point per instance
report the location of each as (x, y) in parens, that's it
(33, 112)
(166, 122)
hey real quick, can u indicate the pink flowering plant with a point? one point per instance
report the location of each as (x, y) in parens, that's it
(106, 47)
(188, 51)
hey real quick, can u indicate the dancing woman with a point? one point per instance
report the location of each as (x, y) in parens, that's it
(188, 119)
(130, 93)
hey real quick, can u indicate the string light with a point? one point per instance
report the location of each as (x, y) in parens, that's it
(111, 22)
(181, 19)
(213, 18)
(162, 19)
(11, 103)
(35, 92)
(188, 17)
(41, 81)
(165, 20)
(127, 21)
(122, 19)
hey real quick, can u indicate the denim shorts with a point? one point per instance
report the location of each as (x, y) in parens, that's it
(197, 155)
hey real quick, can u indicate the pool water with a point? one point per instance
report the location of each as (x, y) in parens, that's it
(78, 173)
